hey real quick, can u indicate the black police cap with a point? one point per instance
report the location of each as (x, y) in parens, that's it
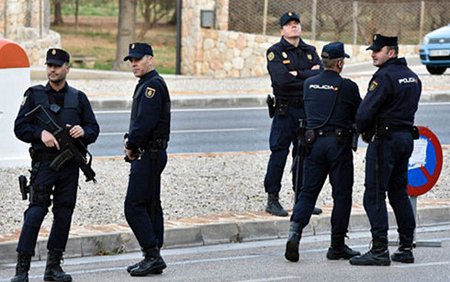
(379, 41)
(286, 17)
(57, 57)
(138, 50)
(334, 50)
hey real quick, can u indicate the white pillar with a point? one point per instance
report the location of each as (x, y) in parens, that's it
(14, 80)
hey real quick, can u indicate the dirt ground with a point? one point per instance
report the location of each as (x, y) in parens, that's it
(96, 36)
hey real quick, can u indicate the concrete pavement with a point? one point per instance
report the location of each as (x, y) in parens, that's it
(214, 229)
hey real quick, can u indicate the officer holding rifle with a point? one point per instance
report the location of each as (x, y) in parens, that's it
(58, 121)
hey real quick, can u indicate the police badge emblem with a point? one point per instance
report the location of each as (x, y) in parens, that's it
(150, 92)
(309, 56)
(373, 85)
(284, 55)
(24, 100)
(270, 56)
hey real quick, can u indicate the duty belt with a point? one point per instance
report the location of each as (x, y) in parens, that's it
(44, 156)
(333, 131)
(292, 102)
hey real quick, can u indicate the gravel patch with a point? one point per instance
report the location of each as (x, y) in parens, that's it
(192, 185)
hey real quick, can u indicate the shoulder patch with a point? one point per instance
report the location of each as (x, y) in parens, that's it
(270, 56)
(24, 100)
(373, 85)
(150, 92)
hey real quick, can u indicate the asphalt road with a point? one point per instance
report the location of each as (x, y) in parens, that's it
(230, 129)
(264, 261)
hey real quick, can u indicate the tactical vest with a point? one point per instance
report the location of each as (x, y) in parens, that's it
(67, 115)
(162, 130)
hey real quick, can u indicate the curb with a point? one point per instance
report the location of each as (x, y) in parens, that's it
(226, 100)
(211, 234)
(191, 101)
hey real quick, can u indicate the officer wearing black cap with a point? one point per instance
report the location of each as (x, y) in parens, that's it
(145, 148)
(70, 108)
(330, 105)
(385, 118)
(289, 62)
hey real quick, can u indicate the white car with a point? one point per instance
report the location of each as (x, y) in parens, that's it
(435, 50)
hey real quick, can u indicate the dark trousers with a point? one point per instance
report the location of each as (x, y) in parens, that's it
(63, 186)
(394, 152)
(331, 156)
(143, 209)
(283, 133)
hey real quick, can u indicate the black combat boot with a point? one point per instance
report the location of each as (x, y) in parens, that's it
(317, 210)
(273, 205)
(377, 255)
(153, 263)
(295, 234)
(339, 249)
(404, 252)
(53, 270)
(22, 268)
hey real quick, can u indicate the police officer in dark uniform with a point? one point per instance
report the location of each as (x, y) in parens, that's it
(69, 108)
(330, 105)
(145, 148)
(289, 63)
(385, 118)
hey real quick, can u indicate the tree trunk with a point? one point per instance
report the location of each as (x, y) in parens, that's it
(58, 15)
(125, 32)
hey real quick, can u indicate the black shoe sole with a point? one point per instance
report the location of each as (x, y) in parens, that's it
(374, 263)
(337, 256)
(156, 269)
(291, 253)
(51, 278)
(277, 214)
(403, 260)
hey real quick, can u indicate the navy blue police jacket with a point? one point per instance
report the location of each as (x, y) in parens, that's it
(75, 110)
(321, 92)
(392, 97)
(150, 112)
(284, 57)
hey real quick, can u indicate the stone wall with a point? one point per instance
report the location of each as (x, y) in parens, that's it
(27, 22)
(217, 52)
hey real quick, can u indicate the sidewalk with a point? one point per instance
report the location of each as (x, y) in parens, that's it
(214, 229)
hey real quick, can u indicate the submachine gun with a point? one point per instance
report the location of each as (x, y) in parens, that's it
(71, 149)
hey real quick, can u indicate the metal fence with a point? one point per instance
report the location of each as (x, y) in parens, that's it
(345, 20)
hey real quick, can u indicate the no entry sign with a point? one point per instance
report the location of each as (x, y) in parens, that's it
(425, 163)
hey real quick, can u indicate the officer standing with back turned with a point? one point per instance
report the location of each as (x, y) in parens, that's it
(289, 63)
(145, 148)
(386, 118)
(70, 109)
(330, 105)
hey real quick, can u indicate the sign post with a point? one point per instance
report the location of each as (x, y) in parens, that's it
(425, 165)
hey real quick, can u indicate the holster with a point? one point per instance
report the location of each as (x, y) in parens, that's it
(271, 105)
(310, 136)
(415, 132)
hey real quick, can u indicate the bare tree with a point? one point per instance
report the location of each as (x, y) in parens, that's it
(125, 32)
(58, 19)
(154, 10)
